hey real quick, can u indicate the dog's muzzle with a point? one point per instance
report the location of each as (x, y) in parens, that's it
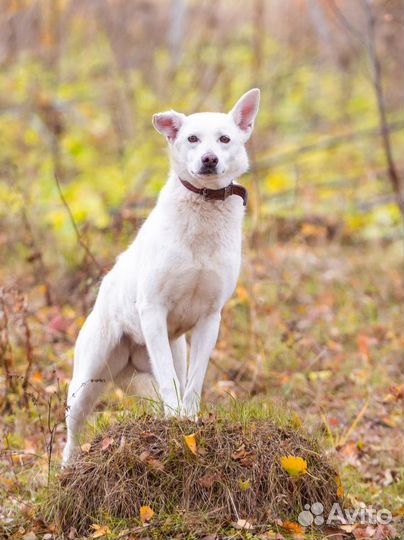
(209, 164)
(207, 170)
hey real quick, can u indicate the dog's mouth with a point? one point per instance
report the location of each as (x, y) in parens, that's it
(206, 170)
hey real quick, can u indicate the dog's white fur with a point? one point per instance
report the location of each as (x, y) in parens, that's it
(175, 277)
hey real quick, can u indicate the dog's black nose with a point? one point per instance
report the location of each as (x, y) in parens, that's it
(210, 159)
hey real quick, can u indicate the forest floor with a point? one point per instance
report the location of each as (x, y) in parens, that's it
(314, 324)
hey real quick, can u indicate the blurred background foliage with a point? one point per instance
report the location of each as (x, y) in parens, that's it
(81, 79)
(316, 318)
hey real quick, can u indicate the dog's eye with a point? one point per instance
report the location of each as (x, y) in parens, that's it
(193, 138)
(224, 139)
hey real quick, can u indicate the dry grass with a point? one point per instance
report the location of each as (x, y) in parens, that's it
(236, 474)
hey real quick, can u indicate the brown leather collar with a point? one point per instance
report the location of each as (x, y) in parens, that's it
(218, 194)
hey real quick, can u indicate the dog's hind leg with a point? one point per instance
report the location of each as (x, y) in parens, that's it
(179, 352)
(99, 355)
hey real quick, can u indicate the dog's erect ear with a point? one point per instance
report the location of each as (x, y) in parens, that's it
(168, 123)
(245, 110)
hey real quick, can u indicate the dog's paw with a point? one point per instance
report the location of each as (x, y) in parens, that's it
(189, 413)
(172, 412)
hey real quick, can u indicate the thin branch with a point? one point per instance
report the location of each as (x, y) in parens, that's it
(28, 348)
(346, 24)
(74, 225)
(37, 256)
(381, 105)
(325, 144)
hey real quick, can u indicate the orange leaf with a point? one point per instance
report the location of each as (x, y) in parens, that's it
(340, 487)
(242, 294)
(295, 528)
(363, 344)
(146, 513)
(190, 441)
(37, 376)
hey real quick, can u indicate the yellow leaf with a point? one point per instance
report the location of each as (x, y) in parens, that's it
(146, 513)
(86, 447)
(340, 487)
(294, 465)
(99, 530)
(191, 442)
(244, 484)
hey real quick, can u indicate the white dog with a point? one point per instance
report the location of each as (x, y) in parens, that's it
(175, 277)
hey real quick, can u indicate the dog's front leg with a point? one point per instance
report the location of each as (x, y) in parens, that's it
(153, 320)
(204, 337)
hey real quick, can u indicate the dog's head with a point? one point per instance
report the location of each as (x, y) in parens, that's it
(207, 149)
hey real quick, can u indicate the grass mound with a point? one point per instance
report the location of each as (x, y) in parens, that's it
(195, 477)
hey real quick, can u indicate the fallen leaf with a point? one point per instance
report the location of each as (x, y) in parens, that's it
(146, 514)
(245, 457)
(295, 528)
(37, 376)
(397, 391)
(340, 487)
(72, 533)
(190, 441)
(240, 453)
(244, 484)
(385, 531)
(99, 530)
(208, 480)
(106, 443)
(86, 447)
(152, 462)
(30, 536)
(348, 528)
(363, 532)
(242, 524)
(148, 436)
(294, 465)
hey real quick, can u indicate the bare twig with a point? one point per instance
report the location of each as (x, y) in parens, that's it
(37, 256)
(381, 105)
(28, 348)
(325, 144)
(74, 225)
(6, 351)
(346, 23)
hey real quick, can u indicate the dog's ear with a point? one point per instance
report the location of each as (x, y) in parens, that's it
(245, 111)
(168, 123)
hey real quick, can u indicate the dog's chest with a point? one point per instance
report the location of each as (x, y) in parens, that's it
(204, 273)
(190, 296)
